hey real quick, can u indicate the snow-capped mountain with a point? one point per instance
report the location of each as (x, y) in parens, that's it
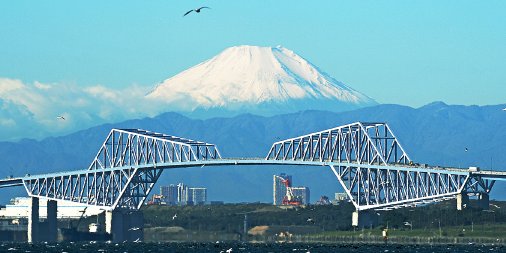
(260, 80)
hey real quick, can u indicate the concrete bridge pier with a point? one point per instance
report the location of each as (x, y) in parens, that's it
(51, 221)
(483, 201)
(365, 218)
(462, 201)
(33, 220)
(125, 225)
(42, 231)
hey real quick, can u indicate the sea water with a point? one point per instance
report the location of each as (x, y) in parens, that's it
(241, 247)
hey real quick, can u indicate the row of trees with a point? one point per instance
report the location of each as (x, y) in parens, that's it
(230, 217)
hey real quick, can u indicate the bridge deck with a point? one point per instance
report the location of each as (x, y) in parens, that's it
(489, 175)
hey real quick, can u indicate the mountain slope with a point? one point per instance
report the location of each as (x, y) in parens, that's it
(260, 80)
(436, 134)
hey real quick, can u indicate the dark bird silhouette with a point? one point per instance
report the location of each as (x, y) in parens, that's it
(196, 10)
(466, 149)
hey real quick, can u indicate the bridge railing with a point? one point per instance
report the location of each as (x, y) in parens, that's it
(361, 143)
(133, 147)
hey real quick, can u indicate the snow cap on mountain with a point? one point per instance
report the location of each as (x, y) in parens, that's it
(260, 80)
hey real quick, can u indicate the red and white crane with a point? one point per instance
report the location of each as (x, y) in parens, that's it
(289, 198)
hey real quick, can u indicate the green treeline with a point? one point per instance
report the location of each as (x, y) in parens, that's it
(229, 218)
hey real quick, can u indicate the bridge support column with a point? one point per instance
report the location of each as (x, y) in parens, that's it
(462, 201)
(483, 201)
(114, 225)
(125, 225)
(33, 220)
(134, 230)
(365, 219)
(52, 230)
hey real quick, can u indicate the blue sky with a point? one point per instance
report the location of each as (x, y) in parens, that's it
(406, 52)
(402, 52)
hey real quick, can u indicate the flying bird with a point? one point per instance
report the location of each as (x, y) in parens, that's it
(60, 117)
(174, 217)
(466, 149)
(196, 10)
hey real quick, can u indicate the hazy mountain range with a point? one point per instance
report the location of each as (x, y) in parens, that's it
(436, 134)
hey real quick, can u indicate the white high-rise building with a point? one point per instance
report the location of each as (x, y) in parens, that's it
(340, 196)
(302, 193)
(182, 194)
(169, 194)
(279, 187)
(197, 196)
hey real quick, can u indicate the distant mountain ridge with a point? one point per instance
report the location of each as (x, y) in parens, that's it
(258, 80)
(436, 134)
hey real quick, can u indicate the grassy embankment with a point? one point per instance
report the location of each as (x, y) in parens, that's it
(439, 222)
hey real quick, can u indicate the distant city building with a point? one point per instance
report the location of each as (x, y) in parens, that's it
(324, 200)
(279, 187)
(169, 194)
(156, 200)
(283, 189)
(197, 196)
(340, 196)
(182, 194)
(301, 193)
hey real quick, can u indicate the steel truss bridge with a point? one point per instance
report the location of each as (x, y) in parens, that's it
(366, 158)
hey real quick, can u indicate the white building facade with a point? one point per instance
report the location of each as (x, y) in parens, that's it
(20, 208)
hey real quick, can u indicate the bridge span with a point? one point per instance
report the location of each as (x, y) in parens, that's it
(366, 158)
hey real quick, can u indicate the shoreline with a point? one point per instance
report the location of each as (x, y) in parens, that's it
(155, 235)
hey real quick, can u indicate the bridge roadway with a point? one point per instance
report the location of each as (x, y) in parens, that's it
(484, 174)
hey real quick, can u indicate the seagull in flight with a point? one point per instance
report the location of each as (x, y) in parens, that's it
(174, 217)
(196, 10)
(466, 149)
(133, 229)
(60, 117)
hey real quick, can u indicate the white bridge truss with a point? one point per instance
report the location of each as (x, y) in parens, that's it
(360, 143)
(124, 171)
(367, 159)
(134, 147)
(373, 168)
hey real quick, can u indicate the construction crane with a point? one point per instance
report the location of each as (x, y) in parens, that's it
(289, 198)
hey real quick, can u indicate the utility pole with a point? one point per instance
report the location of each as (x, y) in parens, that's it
(439, 222)
(245, 232)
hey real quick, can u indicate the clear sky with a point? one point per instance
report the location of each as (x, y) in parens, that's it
(402, 52)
